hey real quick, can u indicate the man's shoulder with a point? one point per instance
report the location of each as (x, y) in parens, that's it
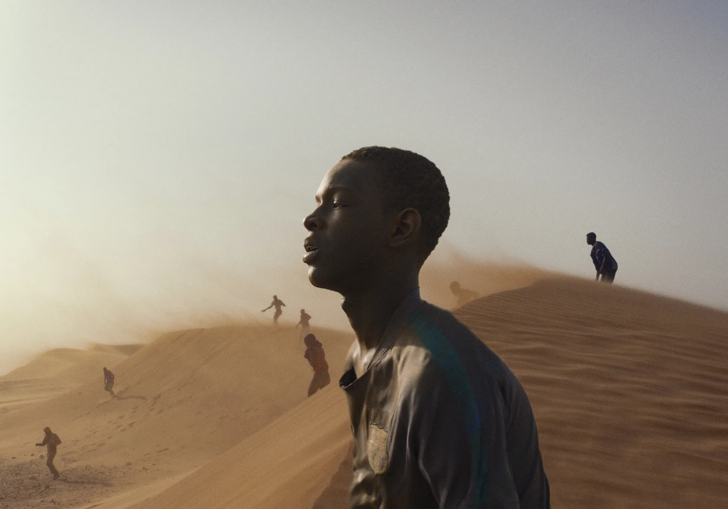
(437, 328)
(440, 345)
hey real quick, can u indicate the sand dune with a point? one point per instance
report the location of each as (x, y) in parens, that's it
(286, 464)
(628, 389)
(58, 371)
(182, 400)
(73, 366)
(484, 278)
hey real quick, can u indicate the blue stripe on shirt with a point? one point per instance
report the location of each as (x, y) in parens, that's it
(456, 375)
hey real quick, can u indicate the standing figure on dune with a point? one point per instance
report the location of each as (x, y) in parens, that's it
(439, 421)
(277, 303)
(605, 264)
(303, 322)
(109, 382)
(317, 359)
(52, 441)
(463, 295)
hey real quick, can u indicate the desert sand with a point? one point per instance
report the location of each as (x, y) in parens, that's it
(629, 391)
(57, 371)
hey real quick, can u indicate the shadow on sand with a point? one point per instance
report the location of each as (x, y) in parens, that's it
(143, 398)
(95, 483)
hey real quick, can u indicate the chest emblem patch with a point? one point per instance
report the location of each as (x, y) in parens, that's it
(377, 449)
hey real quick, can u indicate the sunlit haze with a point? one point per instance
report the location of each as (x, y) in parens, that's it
(157, 158)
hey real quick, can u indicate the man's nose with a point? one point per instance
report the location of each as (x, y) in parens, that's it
(312, 222)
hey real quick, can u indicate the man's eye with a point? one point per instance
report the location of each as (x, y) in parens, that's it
(337, 204)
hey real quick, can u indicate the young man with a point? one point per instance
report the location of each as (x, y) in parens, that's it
(439, 421)
(52, 441)
(277, 303)
(462, 294)
(304, 323)
(605, 264)
(317, 359)
(109, 382)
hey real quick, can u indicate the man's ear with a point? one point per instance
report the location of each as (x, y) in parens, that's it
(406, 228)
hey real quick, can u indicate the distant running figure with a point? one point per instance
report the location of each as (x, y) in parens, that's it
(277, 303)
(109, 382)
(463, 295)
(603, 260)
(317, 359)
(303, 322)
(52, 441)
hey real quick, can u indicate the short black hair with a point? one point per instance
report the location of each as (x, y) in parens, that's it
(591, 234)
(410, 180)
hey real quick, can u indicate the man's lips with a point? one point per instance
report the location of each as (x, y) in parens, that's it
(311, 252)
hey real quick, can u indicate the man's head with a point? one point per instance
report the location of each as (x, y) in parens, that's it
(376, 205)
(591, 238)
(409, 180)
(310, 340)
(46, 430)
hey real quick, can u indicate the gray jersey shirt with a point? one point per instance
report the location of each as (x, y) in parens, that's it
(439, 421)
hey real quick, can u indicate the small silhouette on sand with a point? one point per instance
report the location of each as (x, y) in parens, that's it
(603, 260)
(303, 322)
(277, 303)
(317, 359)
(52, 441)
(463, 295)
(109, 382)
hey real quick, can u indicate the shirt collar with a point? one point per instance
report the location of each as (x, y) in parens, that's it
(409, 303)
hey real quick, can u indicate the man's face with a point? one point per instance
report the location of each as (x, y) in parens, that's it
(590, 240)
(348, 229)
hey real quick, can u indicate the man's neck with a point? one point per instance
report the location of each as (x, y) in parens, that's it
(370, 310)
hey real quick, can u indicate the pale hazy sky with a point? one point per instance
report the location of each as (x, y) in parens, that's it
(157, 158)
